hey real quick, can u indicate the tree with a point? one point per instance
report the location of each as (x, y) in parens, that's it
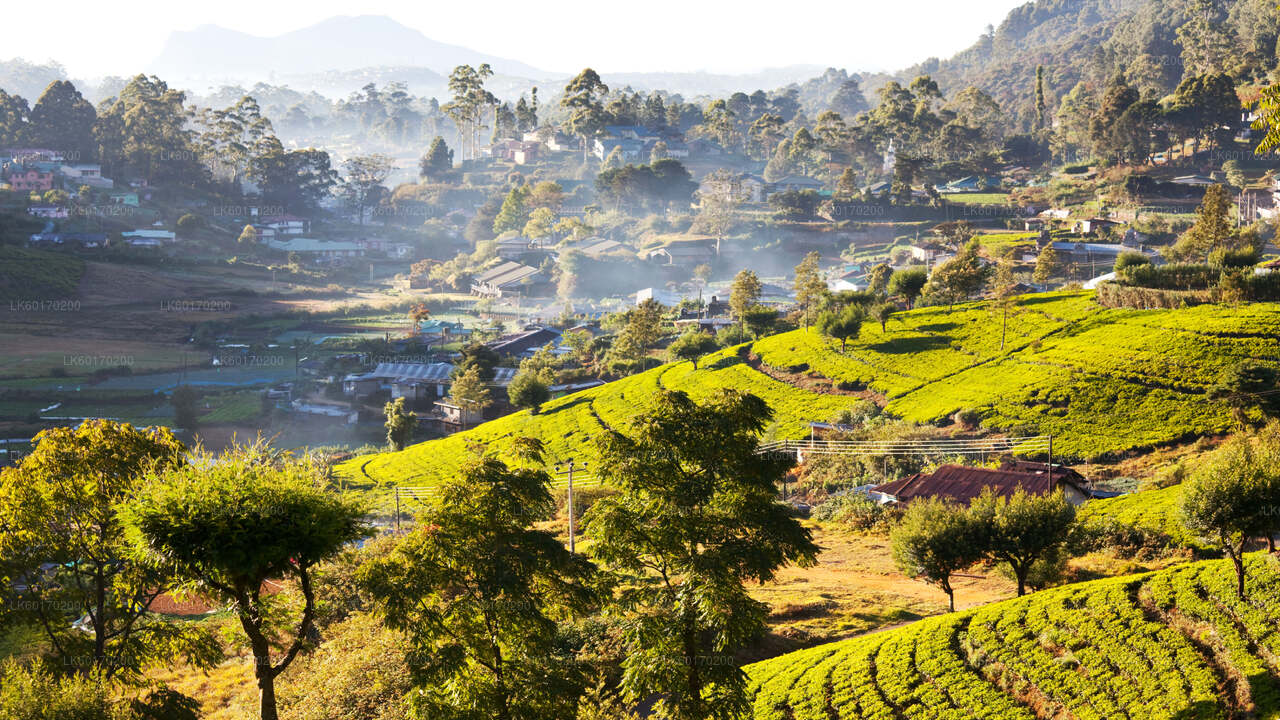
(293, 178)
(1021, 529)
(529, 389)
(363, 186)
(540, 225)
(64, 120)
(1041, 105)
(1248, 384)
(586, 112)
(810, 286)
(227, 525)
(1004, 300)
(514, 212)
(882, 312)
(184, 399)
(744, 293)
(248, 236)
(934, 541)
(1047, 264)
(843, 324)
(1213, 228)
(694, 521)
(1228, 501)
(466, 109)
(470, 391)
(438, 162)
(60, 532)
(760, 319)
(878, 279)
(907, 284)
(479, 593)
(960, 277)
(692, 345)
(399, 424)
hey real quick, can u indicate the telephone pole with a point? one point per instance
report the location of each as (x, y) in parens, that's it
(570, 466)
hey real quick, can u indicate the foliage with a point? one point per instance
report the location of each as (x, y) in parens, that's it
(36, 693)
(843, 324)
(226, 526)
(60, 533)
(935, 540)
(692, 345)
(478, 593)
(399, 424)
(907, 284)
(744, 293)
(694, 521)
(1232, 498)
(28, 274)
(1022, 529)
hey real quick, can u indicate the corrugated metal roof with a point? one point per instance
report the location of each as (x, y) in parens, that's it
(962, 484)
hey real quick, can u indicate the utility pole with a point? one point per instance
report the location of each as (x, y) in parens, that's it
(570, 465)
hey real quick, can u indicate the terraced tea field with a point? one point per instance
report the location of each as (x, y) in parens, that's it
(1101, 381)
(1177, 644)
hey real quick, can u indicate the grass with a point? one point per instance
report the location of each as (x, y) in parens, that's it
(977, 198)
(38, 276)
(1103, 382)
(1155, 646)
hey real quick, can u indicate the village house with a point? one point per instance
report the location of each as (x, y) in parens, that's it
(961, 483)
(595, 247)
(686, 254)
(506, 279)
(1091, 226)
(66, 239)
(49, 212)
(630, 150)
(29, 179)
(318, 250)
(796, 183)
(271, 226)
(524, 342)
(739, 187)
(391, 248)
(148, 238)
(84, 174)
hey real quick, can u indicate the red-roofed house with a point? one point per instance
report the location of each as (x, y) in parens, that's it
(961, 484)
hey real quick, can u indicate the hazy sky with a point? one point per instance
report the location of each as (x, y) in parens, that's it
(96, 38)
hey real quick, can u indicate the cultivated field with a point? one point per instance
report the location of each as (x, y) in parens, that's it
(1101, 381)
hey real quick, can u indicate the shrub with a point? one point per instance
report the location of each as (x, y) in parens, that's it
(1228, 258)
(1131, 259)
(1174, 276)
(858, 512)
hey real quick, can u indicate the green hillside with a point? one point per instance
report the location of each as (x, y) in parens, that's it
(1176, 644)
(1152, 511)
(35, 276)
(1099, 380)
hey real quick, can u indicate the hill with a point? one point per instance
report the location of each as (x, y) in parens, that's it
(1151, 41)
(339, 43)
(1176, 644)
(1101, 381)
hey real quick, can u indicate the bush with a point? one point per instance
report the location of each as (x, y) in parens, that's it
(35, 693)
(1228, 258)
(858, 512)
(1174, 276)
(190, 223)
(1130, 259)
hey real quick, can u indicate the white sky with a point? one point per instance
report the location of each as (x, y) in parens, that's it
(93, 39)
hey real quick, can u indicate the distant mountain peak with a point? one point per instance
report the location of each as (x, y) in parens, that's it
(339, 43)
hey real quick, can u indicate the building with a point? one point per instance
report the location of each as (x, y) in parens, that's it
(736, 187)
(152, 236)
(1089, 226)
(1093, 253)
(49, 212)
(505, 279)
(29, 179)
(596, 247)
(1256, 204)
(416, 382)
(524, 342)
(66, 239)
(317, 250)
(85, 174)
(684, 253)
(270, 226)
(629, 132)
(795, 183)
(961, 483)
(630, 150)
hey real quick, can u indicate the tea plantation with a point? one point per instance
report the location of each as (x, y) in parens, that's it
(1177, 644)
(1101, 381)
